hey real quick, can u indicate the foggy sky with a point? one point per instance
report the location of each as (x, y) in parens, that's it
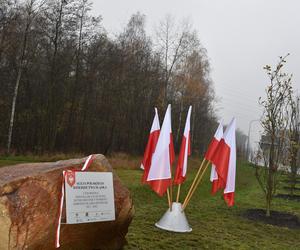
(241, 36)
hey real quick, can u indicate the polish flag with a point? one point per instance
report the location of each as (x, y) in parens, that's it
(224, 160)
(160, 177)
(210, 152)
(185, 151)
(150, 148)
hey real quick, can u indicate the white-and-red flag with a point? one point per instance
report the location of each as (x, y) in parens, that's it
(159, 176)
(151, 145)
(224, 160)
(209, 153)
(185, 151)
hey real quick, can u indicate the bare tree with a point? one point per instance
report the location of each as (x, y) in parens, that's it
(274, 122)
(31, 8)
(191, 86)
(55, 14)
(174, 42)
(185, 68)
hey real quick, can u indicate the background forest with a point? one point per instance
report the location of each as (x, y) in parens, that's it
(66, 85)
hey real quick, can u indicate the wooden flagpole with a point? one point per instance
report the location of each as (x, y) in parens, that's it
(171, 192)
(195, 179)
(195, 186)
(178, 192)
(169, 200)
(171, 195)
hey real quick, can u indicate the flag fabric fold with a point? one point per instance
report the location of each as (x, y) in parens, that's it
(224, 159)
(159, 176)
(214, 143)
(185, 151)
(151, 145)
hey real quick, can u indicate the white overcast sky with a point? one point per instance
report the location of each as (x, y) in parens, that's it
(241, 36)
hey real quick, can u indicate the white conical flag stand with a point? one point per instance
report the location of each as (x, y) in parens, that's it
(174, 220)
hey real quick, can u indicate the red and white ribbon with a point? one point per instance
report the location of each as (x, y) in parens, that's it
(86, 165)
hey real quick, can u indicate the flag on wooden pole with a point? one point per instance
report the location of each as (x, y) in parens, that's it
(151, 145)
(224, 160)
(185, 151)
(159, 176)
(209, 153)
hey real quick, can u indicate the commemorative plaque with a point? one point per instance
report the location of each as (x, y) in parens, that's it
(89, 197)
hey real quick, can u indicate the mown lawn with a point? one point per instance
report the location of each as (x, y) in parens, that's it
(215, 226)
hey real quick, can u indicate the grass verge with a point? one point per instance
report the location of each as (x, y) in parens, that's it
(215, 226)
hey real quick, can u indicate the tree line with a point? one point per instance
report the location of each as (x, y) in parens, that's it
(69, 86)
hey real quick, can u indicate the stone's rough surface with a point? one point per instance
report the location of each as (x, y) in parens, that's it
(29, 202)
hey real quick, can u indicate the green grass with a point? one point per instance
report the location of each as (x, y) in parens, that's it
(215, 226)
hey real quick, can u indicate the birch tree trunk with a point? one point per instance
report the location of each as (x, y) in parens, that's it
(19, 74)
